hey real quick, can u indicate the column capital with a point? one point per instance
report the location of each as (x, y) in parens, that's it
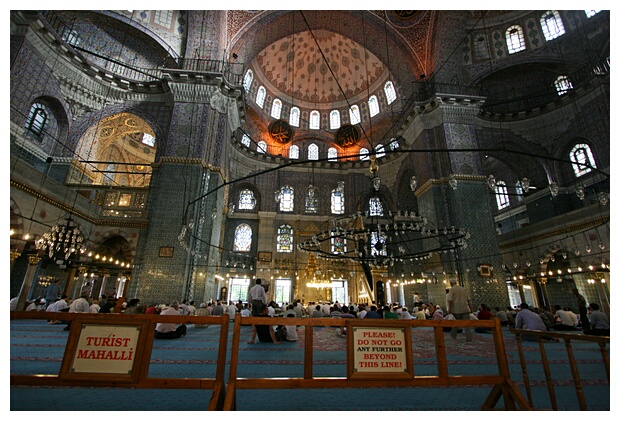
(15, 254)
(34, 259)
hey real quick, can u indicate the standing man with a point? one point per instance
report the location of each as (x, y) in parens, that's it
(583, 310)
(258, 297)
(459, 306)
(52, 292)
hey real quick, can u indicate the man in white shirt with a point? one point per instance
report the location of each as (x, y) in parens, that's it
(231, 309)
(94, 307)
(326, 309)
(362, 313)
(81, 305)
(258, 297)
(170, 330)
(245, 311)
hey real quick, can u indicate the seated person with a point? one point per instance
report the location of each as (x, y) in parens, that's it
(599, 322)
(291, 331)
(567, 319)
(484, 313)
(170, 330)
(265, 332)
(317, 312)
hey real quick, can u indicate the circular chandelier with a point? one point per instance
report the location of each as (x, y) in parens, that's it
(380, 238)
(62, 240)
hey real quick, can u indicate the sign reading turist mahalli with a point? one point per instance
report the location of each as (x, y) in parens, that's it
(105, 350)
(379, 350)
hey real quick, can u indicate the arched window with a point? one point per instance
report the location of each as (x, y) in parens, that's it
(260, 96)
(334, 119)
(312, 199)
(514, 39)
(590, 13)
(243, 238)
(261, 147)
(394, 144)
(364, 154)
(313, 152)
(286, 199)
(293, 152)
(580, 156)
(276, 108)
(380, 151)
(552, 25)
(315, 120)
(354, 114)
(378, 244)
(501, 195)
(481, 46)
(373, 105)
(285, 239)
(519, 191)
(332, 154)
(37, 119)
(375, 206)
(563, 85)
(247, 80)
(293, 119)
(390, 92)
(337, 202)
(245, 140)
(246, 200)
(339, 245)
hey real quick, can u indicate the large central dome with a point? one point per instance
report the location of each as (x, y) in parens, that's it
(297, 68)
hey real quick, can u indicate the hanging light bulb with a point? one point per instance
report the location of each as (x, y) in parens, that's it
(603, 198)
(491, 182)
(581, 192)
(453, 181)
(554, 188)
(413, 183)
(376, 183)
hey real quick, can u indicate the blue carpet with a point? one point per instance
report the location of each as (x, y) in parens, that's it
(37, 348)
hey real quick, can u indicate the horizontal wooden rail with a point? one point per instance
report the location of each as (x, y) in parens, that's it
(502, 385)
(216, 384)
(567, 338)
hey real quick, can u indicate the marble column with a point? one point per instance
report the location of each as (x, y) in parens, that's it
(33, 262)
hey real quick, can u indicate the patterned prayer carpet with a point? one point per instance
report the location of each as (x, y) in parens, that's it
(37, 348)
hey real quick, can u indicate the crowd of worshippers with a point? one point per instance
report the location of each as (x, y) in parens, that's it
(589, 319)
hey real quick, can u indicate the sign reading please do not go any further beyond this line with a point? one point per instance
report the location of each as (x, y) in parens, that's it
(379, 352)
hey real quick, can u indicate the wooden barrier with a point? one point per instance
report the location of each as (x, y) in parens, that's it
(97, 375)
(568, 338)
(503, 387)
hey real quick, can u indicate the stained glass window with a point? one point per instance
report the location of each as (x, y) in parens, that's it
(293, 152)
(394, 144)
(581, 155)
(315, 120)
(334, 119)
(375, 206)
(313, 151)
(287, 199)
(312, 200)
(285, 239)
(276, 108)
(247, 80)
(354, 114)
(294, 117)
(260, 96)
(501, 195)
(243, 238)
(339, 245)
(332, 154)
(246, 200)
(519, 191)
(390, 92)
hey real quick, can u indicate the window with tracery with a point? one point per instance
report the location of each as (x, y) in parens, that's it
(312, 200)
(390, 92)
(276, 108)
(394, 144)
(515, 39)
(243, 238)
(563, 85)
(364, 154)
(375, 206)
(293, 152)
(354, 114)
(373, 106)
(337, 202)
(332, 154)
(148, 140)
(501, 195)
(163, 18)
(260, 96)
(246, 200)
(287, 199)
(552, 25)
(339, 245)
(245, 140)
(380, 151)
(294, 116)
(315, 120)
(247, 80)
(261, 147)
(378, 244)
(285, 239)
(334, 119)
(37, 119)
(581, 156)
(313, 152)
(590, 13)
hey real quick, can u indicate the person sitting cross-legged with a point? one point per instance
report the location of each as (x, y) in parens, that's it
(170, 330)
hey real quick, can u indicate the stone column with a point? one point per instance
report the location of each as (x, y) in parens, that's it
(33, 260)
(99, 285)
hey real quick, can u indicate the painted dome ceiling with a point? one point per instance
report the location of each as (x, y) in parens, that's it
(295, 67)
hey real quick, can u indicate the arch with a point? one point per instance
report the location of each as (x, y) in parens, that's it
(515, 41)
(315, 120)
(243, 238)
(293, 152)
(294, 117)
(313, 152)
(55, 131)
